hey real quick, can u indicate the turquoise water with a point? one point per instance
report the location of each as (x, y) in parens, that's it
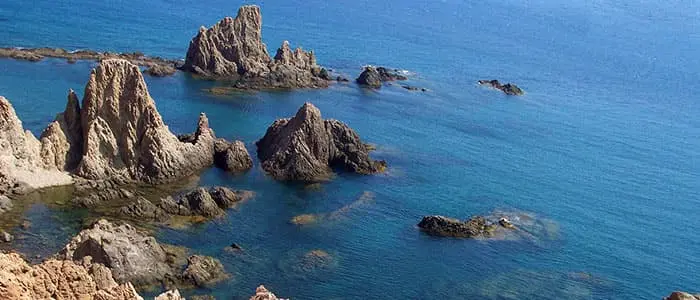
(605, 144)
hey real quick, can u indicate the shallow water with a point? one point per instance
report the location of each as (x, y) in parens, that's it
(604, 143)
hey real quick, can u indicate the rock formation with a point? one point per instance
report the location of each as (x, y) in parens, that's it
(305, 147)
(374, 77)
(125, 137)
(232, 157)
(21, 165)
(682, 296)
(203, 271)
(62, 140)
(59, 279)
(209, 203)
(233, 49)
(160, 70)
(508, 88)
(134, 257)
(475, 227)
(144, 210)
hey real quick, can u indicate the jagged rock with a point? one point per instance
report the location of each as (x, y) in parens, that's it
(261, 293)
(305, 147)
(682, 296)
(508, 88)
(232, 157)
(21, 166)
(124, 135)
(233, 49)
(203, 271)
(62, 140)
(475, 227)
(209, 203)
(58, 279)
(160, 70)
(142, 209)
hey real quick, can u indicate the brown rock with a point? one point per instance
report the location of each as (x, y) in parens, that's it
(203, 271)
(160, 70)
(261, 293)
(61, 141)
(209, 203)
(170, 295)
(232, 157)
(682, 296)
(305, 147)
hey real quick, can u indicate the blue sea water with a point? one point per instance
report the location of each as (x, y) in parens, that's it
(605, 144)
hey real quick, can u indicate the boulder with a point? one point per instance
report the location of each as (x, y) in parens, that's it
(209, 203)
(508, 88)
(233, 49)
(232, 157)
(305, 147)
(59, 279)
(682, 296)
(160, 70)
(124, 136)
(261, 293)
(370, 78)
(474, 227)
(203, 271)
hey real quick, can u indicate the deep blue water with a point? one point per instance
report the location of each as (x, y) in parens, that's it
(605, 144)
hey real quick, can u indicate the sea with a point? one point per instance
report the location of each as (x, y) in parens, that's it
(602, 153)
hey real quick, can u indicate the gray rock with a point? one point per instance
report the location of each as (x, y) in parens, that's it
(305, 147)
(475, 227)
(370, 78)
(209, 203)
(232, 157)
(144, 210)
(203, 271)
(6, 237)
(508, 88)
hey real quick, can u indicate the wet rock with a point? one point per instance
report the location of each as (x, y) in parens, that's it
(233, 49)
(203, 271)
(447, 227)
(160, 70)
(414, 88)
(682, 296)
(6, 237)
(386, 74)
(209, 203)
(144, 210)
(261, 293)
(370, 77)
(305, 147)
(508, 88)
(232, 157)
(58, 279)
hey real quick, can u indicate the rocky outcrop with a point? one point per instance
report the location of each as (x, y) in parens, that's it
(209, 203)
(475, 227)
(306, 147)
(137, 258)
(508, 88)
(125, 137)
(137, 58)
(21, 166)
(203, 271)
(59, 279)
(144, 210)
(233, 49)
(62, 140)
(682, 296)
(374, 77)
(232, 157)
(261, 293)
(160, 70)
(170, 295)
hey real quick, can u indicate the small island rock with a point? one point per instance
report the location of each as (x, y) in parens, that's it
(508, 88)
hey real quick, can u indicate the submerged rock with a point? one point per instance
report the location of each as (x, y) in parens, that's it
(508, 88)
(59, 279)
(305, 147)
(682, 296)
(233, 49)
(232, 157)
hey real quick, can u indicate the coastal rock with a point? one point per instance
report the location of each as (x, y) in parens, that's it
(142, 209)
(37, 54)
(209, 203)
(682, 296)
(474, 227)
(61, 141)
(508, 88)
(305, 147)
(170, 295)
(57, 279)
(6, 237)
(129, 254)
(203, 271)
(160, 70)
(374, 77)
(261, 293)
(232, 157)
(125, 137)
(233, 49)
(5, 203)
(21, 166)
